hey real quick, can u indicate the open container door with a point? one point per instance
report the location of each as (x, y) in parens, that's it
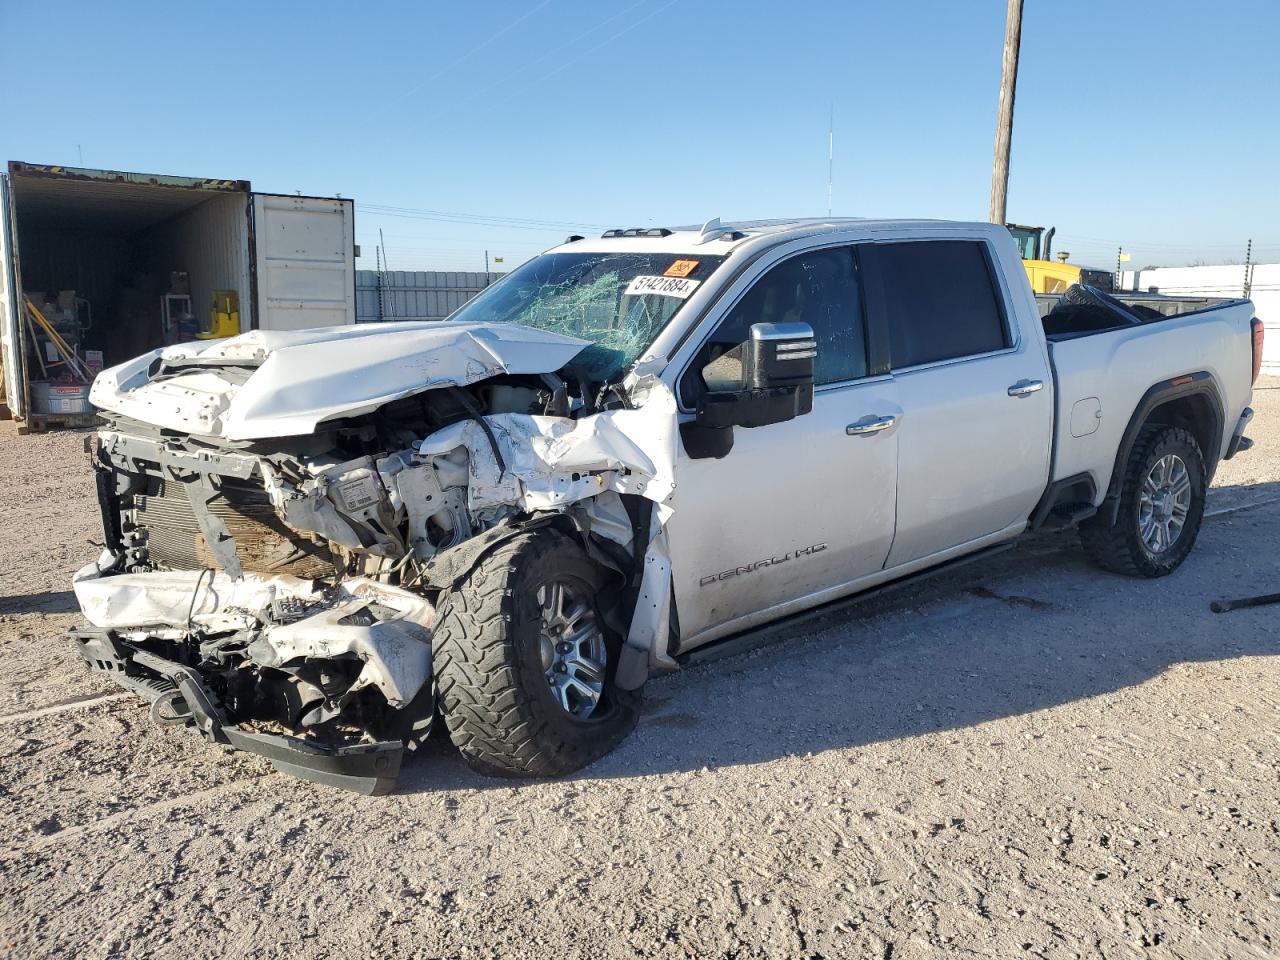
(304, 258)
(15, 383)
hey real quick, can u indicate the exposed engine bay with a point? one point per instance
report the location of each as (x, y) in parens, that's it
(271, 578)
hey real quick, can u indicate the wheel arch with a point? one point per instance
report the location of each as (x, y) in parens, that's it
(445, 570)
(1190, 401)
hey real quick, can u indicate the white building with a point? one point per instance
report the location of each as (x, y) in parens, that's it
(1222, 281)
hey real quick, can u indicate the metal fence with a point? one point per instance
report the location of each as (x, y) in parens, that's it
(415, 294)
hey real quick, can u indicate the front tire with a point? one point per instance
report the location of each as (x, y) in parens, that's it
(525, 664)
(1162, 499)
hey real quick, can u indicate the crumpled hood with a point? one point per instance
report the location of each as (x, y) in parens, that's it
(280, 383)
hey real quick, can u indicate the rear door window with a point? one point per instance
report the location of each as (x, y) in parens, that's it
(940, 301)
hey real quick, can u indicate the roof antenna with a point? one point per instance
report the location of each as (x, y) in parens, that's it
(831, 142)
(710, 230)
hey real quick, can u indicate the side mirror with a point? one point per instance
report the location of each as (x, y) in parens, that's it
(776, 363)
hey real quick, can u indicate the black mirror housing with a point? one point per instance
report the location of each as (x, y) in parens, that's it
(777, 374)
(754, 408)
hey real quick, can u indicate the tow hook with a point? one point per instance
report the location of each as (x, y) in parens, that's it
(170, 709)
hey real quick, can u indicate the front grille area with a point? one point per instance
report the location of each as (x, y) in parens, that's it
(263, 543)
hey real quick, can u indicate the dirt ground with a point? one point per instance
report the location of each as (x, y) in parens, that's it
(1024, 757)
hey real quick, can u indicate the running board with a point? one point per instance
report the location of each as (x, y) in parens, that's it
(748, 640)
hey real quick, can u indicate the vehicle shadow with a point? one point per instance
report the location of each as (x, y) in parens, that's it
(51, 601)
(1032, 628)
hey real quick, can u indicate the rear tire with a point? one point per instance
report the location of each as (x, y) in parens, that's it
(1157, 524)
(496, 674)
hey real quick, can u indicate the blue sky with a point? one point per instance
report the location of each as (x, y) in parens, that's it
(461, 127)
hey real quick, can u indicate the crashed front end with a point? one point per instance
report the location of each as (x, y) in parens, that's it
(278, 593)
(210, 605)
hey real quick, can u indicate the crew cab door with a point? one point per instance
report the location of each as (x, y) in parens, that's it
(798, 508)
(976, 431)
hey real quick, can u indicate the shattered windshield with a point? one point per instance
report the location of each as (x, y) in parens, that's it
(618, 301)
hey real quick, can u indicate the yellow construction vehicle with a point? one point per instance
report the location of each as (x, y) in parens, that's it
(1036, 248)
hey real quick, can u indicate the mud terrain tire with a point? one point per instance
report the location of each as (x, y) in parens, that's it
(1121, 548)
(490, 673)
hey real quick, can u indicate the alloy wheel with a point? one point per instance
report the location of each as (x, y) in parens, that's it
(1163, 503)
(572, 646)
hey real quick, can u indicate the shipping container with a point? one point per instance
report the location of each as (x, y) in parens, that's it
(121, 263)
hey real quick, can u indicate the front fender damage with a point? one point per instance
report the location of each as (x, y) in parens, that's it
(329, 674)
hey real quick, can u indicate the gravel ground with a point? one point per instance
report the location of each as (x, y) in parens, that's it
(1026, 756)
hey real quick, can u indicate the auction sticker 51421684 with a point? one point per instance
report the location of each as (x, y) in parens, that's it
(663, 286)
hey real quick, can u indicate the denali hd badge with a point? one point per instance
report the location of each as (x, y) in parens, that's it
(758, 564)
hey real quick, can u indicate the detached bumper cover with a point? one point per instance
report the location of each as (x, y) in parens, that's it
(370, 769)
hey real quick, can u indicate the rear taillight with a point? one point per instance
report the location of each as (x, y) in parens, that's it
(1259, 334)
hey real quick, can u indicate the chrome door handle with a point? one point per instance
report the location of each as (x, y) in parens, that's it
(1025, 388)
(866, 427)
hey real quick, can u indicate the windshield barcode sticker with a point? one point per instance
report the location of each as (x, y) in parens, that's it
(663, 286)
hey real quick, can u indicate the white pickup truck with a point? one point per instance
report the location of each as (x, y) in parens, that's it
(627, 449)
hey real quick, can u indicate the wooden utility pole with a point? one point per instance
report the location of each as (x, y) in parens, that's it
(1004, 119)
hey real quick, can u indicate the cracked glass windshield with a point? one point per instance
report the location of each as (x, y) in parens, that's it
(618, 301)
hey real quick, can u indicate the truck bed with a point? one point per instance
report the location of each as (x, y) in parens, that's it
(1103, 375)
(1169, 306)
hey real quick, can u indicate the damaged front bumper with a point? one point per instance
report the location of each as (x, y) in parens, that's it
(320, 680)
(178, 695)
